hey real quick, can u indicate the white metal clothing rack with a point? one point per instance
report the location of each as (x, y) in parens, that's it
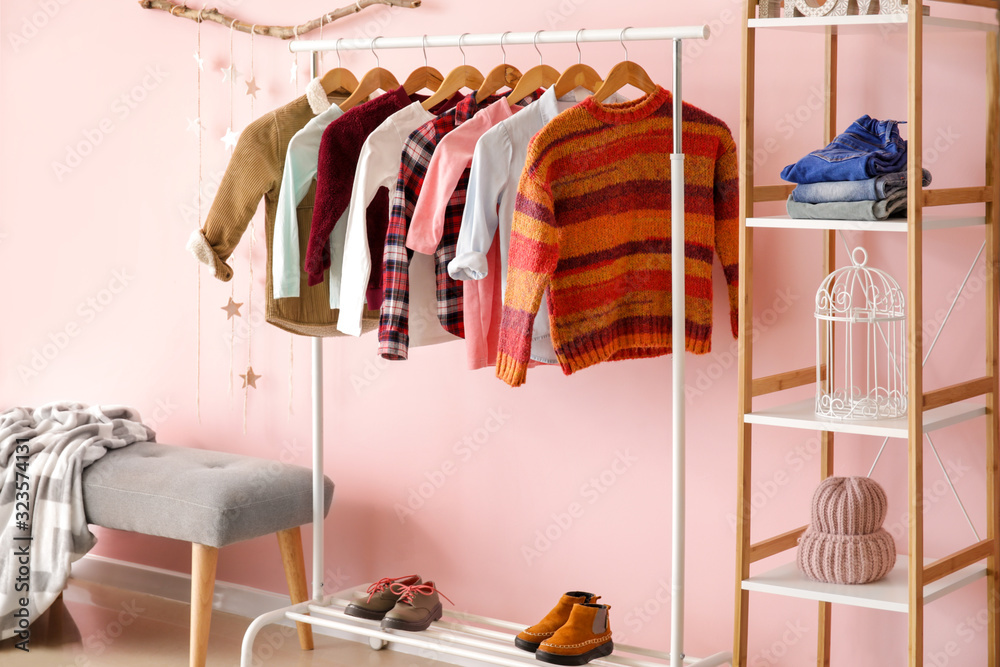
(461, 634)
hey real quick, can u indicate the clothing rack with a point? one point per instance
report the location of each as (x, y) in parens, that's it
(461, 635)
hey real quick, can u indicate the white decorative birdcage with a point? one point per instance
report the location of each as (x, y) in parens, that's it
(860, 343)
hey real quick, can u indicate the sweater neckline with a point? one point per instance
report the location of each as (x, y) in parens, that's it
(630, 111)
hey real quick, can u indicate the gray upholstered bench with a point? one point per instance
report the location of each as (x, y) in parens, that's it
(210, 499)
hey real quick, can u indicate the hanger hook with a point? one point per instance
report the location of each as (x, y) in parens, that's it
(337, 47)
(534, 42)
(502, 47)
(621, 38)
(378, 63)
(423, 45)
(579, 53)
(460, 47)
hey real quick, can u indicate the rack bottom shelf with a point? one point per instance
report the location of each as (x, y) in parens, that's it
(460, 638)
(889, 594)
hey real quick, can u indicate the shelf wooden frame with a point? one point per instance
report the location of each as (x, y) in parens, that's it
(915, 581)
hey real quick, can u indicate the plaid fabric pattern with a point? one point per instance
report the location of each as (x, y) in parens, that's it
(393, 330)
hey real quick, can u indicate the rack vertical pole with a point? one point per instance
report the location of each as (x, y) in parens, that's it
(678, 312)
(744, 381)
(992, 361)
(827, 344)
(914, 325)
(317, 433)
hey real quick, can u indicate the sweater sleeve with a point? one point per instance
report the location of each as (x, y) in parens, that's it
(443, 174)
(253, 171)
(334, 181)
(534, 253)
(727, 222)
(491, 164)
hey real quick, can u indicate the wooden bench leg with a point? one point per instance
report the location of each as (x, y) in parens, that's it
(290, 542)
(203, 562)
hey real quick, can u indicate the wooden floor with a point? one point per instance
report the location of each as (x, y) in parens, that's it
(100, 626)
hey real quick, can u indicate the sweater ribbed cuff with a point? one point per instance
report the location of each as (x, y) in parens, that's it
(511, 371)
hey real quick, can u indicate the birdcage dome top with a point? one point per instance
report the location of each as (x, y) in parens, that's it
(859, 293)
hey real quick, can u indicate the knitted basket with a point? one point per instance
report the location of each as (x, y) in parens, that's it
(845, 542)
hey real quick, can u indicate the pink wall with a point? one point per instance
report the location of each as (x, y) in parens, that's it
(102, 303)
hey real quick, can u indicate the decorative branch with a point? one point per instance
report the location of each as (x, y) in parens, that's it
(279, 31)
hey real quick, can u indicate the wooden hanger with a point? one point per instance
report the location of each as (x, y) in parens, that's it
(623, 74)
(539, 76)
(499, 77)
(578, 75)
(339, 78)
(377, 78)
(423, 77)
(464, 76)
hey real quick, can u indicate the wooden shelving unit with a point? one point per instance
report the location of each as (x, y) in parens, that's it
(916, 580)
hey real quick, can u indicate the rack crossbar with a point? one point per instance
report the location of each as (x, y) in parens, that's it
(509, 39)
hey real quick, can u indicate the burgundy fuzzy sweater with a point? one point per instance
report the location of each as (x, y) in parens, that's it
(338, 159)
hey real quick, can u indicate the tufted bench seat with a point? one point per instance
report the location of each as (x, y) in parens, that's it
(210, 499)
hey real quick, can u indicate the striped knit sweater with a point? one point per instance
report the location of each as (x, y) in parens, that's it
(592, 227)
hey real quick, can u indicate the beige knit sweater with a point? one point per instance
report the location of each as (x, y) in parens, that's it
(254, 172)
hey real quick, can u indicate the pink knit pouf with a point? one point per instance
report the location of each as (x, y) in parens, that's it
(845, 542)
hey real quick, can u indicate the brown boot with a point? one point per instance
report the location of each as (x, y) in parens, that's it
(378, 599)
(529, 638)
(418, 607)
(585, 637)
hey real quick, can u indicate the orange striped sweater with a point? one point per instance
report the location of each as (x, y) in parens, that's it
(592, 227)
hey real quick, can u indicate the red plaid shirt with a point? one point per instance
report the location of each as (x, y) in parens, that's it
(393, 330)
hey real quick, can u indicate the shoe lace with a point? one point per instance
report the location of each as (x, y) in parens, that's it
(382, 584)
(406, 593)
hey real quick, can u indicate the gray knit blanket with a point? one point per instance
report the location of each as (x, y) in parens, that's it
(43, 452)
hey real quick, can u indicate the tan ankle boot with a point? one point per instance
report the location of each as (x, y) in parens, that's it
(529, 638)
(584, 637)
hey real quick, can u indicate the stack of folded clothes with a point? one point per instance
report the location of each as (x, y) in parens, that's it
(861, 175)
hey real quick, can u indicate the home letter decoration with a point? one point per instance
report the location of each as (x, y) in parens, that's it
(769, 9)
(815, 8)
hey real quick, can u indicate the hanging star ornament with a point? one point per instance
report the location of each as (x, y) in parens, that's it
(198, 59)
(294, 73)
(195, 125)
(229, 138)
(250, 378)
(252, 88)
(232, 309)
(230, 71)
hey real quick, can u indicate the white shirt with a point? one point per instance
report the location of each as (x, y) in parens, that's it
(300, 170)
(378, 166)
(496, 170)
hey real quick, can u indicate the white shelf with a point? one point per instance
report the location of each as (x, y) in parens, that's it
(889, 594)
(802, 414)
(931, 222)
(861, 24)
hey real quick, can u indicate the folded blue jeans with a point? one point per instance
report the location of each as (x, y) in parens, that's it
(868, 148)
(892, 207)
(872, 189)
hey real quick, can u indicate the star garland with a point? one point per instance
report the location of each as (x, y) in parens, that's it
(201, 66)
(250, 378)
